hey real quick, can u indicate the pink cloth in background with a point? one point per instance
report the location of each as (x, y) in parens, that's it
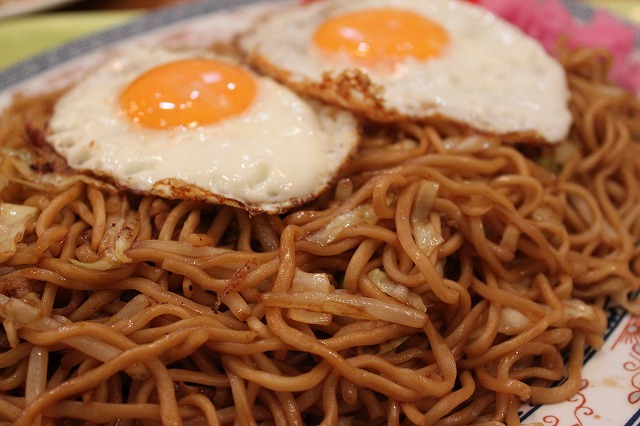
(547, 20)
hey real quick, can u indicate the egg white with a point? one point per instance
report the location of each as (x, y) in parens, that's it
(279, 153)
(491, 76)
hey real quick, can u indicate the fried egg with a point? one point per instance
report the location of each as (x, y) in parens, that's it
(189, 125)
(407, 59)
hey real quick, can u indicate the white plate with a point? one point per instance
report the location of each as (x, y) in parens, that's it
(188, 23)
(20, 7)
(610, 391)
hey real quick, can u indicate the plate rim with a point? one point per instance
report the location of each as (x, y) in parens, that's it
(45, 61)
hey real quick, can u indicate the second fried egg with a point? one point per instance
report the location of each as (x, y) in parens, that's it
(415, 59)
(188, 125)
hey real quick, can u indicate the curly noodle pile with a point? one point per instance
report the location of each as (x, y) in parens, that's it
(445, 279)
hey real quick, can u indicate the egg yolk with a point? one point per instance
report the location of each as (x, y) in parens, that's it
(380, 35)
(188, 93)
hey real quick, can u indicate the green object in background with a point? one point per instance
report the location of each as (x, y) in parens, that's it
(23, 37)
(629, 9)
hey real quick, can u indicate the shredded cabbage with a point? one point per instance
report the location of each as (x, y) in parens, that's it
(13, 224)
(307, 281)
(424, 233)
(328, 234)
(397, 291)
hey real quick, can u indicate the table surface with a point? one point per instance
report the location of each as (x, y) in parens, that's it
(26, 35)
(626, 6)
(121, 4)
(630, 8)
(97, 5)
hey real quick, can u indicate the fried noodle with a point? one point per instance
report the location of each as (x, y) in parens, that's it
(445, 279)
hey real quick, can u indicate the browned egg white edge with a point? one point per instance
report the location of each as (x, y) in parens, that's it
(49, 161)
(353, 90)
